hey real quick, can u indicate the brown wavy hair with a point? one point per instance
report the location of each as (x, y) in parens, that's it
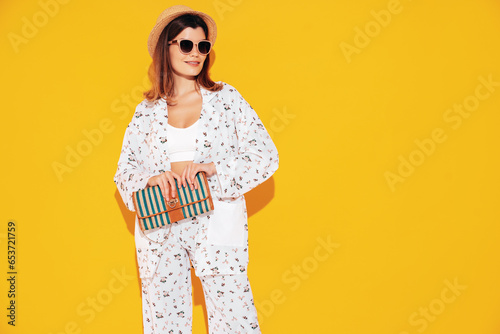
(160, 70)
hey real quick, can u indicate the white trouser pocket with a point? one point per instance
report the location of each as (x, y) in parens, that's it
(227, 224)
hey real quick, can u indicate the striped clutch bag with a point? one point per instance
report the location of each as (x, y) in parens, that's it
(154, 211)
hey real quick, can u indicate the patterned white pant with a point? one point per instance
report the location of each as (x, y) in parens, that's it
(167, 296)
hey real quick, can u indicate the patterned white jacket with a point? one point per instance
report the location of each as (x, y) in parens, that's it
(233, 137)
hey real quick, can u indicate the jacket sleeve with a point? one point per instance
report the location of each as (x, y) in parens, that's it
(257, 156)
(130, 175)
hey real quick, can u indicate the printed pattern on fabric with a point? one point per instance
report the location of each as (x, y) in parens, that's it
(206, 259)
(167, 295)
(233, 137)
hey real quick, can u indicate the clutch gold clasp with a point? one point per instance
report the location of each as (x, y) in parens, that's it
(171, 203)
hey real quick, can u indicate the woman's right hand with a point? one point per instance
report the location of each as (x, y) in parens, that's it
(166, 181)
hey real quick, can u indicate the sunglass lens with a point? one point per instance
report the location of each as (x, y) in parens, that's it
(186, 46)
(204, 47)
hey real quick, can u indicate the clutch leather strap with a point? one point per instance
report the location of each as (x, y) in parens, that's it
(177, 206)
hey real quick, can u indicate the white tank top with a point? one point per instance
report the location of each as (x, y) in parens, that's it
(181, 142)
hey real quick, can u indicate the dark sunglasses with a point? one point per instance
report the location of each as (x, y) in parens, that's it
(186, 46)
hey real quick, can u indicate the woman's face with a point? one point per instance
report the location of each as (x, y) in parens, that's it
(187, 65)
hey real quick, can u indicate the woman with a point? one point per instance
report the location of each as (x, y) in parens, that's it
(186, 124)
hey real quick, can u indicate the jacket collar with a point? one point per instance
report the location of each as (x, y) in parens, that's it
(206, 94)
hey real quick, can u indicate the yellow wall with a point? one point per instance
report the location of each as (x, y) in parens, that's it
(382, 217)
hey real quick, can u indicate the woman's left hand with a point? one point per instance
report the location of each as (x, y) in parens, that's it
(190, 171)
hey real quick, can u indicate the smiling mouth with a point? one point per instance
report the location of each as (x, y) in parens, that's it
(193, 62)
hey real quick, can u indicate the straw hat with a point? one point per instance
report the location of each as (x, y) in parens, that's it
(173, 12)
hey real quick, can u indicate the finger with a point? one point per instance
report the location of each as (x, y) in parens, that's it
(168, 185)
(175, 175)
(193, 177)
(172, 184)
(178, 178)
(167, 191)
(183, 178)
(186, 175)
(164, 189)
(190, 176)
(196, 185)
